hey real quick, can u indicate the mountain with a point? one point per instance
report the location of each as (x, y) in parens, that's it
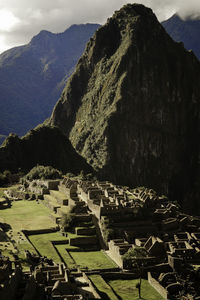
(42, 145)
(2, 138)
(131, 108)
(33, 76)
(186, 31)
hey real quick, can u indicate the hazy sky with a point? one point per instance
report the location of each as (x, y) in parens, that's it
(20, 20)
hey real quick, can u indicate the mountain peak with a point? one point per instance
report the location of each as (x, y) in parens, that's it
(42, 36)
(126, 105)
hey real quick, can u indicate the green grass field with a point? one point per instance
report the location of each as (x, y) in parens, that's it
(65, 255)
(26, 215)
(104, 289)
(43, 244)
(126, 290)
(93, 260)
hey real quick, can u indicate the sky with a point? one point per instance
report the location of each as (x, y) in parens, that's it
(20, 20)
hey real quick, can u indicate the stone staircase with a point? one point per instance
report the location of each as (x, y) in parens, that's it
(60, 202)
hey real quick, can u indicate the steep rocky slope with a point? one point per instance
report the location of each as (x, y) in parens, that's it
(33, 76)
(186, 31)
(131, 108)
(42, 145)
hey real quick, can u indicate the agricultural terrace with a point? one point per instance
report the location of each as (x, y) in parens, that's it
(42, 242)
(103, 288)
(64, 252)
(28, 215)
(93, 260)
(21, 215)
(126, 290)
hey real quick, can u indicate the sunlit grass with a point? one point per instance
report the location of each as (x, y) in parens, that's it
(93, 260)
(126, 290)
(26, 215)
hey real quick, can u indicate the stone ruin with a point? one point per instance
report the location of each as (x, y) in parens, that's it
(137, 218)
(45, 281)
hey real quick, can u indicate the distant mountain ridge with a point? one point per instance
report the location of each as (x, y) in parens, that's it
(32, 76)
(186, 31)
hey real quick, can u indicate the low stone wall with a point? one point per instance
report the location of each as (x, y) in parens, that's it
(160, 268)
(92, 287)
(119, 275)
(36, 250)
(17, 195)
(83, 241)
(83, 218)
(51, 184)
(96, 209)
(85, 231)
(157, 286)
(40, 231)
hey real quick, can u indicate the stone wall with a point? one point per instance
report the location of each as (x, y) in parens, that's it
(40, 231)
(92, 240)
(156, 285)
(85, 231)
(92, 287)
(96, 209)
(117, 248)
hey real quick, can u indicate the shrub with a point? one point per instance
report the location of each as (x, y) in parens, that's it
(43, 172)
(68, 221)
(135, 253)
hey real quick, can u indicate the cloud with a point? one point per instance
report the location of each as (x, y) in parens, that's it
(34, 15)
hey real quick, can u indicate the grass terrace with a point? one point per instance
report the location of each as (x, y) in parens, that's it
(63, 251)
(93, 260)
(104, 289)
(126, 290)
(27, 215)
(42, 243)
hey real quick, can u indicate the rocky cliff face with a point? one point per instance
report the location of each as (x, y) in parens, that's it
(131, 108)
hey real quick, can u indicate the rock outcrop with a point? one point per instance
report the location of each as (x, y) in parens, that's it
(131, 108)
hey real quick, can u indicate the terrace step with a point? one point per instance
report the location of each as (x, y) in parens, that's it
(63, 210)
(55, 217)
(50, 202)
(85, 231)
(60, 197)
(81, 241)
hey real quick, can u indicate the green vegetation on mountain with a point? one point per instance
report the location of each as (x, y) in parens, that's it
(43, 172)
(43, 145)
(131, 107)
